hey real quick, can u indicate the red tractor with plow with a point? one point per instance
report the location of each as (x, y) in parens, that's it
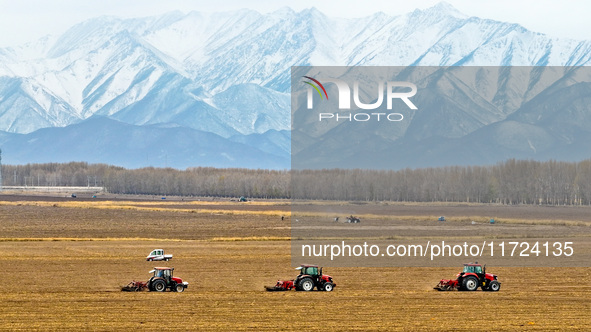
(472, 277)
(159, 282)
(310, 276)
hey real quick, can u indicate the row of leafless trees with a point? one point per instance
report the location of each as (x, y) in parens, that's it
(201, 181)
(510, 182)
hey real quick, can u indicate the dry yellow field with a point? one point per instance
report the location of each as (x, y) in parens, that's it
(64, 266)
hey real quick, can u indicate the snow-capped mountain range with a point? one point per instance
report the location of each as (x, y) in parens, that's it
(227, 74)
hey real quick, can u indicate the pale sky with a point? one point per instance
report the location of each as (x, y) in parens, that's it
(26, 20)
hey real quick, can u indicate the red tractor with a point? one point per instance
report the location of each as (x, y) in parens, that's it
(472, 277)
(163, 279)
(310, 276)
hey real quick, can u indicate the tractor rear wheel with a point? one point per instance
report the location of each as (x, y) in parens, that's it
(159, 285)
(494, 286)
(306, 284)
(328, 287)
(179, 288)
(470, 284)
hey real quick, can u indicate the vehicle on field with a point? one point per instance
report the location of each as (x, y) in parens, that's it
(158, 255)
(353, 220)
(310, 277)
(472, 277)
(163, 280)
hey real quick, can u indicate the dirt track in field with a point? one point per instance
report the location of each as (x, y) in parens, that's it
(71, 263)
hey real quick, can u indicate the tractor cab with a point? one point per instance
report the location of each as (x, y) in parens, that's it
(162, 272)
(311, 270)
(473, 268)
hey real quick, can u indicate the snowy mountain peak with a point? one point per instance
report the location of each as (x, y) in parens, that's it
(283, 12)
(190, 68)
(446, 9)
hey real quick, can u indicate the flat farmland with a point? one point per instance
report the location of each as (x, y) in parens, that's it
(65, 263)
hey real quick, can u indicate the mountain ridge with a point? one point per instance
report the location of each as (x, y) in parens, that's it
(228, 73)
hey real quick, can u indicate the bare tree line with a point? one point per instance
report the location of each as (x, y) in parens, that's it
(509, 182)
(199, 181)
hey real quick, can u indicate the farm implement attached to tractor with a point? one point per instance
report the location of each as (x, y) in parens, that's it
(135, 286)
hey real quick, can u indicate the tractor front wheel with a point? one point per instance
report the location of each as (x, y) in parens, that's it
(494, 286)
(159, 286)
(306, 284)
(470, 284)
(328, 287)
(179, 288)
